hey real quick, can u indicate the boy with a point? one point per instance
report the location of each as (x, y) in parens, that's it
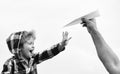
(24, 61)
(105, 53)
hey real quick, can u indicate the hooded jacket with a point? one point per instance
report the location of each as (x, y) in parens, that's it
(13, 42)
(17, 65)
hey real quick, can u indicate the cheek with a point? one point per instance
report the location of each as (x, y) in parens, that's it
(25, 46)
(25, 51)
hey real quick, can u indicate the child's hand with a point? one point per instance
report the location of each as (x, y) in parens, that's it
(65, 39)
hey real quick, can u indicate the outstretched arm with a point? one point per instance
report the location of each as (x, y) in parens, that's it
(54, 50)
(105, 53)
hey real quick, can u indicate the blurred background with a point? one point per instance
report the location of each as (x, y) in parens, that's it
(47, 18)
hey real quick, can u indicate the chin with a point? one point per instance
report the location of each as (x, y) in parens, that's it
(28, 56)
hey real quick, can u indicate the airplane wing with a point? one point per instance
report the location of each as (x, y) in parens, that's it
(88, 16)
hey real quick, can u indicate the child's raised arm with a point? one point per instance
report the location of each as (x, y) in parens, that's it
(54, 50)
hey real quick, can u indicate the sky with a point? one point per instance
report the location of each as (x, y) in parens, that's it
(47, 18)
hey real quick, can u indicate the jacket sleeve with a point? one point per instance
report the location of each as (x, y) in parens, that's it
(7, 67)
(47, 54)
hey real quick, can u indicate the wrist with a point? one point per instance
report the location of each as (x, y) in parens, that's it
(93, 30)
(61, 46)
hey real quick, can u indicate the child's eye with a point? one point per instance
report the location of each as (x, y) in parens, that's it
(30, 43)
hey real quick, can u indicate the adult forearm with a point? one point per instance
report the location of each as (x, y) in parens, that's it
(106, 55)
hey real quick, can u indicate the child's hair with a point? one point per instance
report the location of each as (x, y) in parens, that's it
(25, 36)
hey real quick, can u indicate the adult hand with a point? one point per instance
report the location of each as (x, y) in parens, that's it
(90, 24)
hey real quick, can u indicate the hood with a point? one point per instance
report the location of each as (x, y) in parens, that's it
(13, 42)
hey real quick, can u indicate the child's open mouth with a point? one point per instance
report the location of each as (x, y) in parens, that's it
(31, 51)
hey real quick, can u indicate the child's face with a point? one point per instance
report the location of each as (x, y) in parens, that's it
(28, 48)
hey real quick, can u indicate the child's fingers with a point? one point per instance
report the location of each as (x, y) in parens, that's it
(63, 33)
(66, 33)
(69, 38)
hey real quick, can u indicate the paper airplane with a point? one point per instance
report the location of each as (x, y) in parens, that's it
(88, 16)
